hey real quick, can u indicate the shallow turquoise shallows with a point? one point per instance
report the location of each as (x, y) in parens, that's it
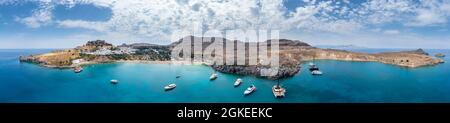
(342, 82)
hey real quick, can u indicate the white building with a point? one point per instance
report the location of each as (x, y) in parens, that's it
(77, 61)
(126, 50)
(102, 51)
(106, 51)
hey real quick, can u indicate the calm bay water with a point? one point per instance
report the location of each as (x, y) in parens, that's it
(342, 82)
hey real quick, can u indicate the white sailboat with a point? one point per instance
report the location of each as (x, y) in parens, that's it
(250, 90)
(213, 76)
(114, 81)
(316, 72)
(170, 86)
(237, 82)
(77, 69)
(311, 64)
(278, 91)
(314, 69)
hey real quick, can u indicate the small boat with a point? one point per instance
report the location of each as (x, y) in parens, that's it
(278, 91)
(316, 72)
(213, 76)
(114, 81)
(311, 64)
(237, 82)
(77, 69)
(250, 90)
(170, 87)
(313, 68)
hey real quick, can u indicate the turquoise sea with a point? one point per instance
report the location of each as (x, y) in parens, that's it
(342, 82)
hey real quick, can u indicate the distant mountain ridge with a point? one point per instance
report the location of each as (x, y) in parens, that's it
(342, 47)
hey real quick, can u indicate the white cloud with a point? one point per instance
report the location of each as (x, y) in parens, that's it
(384, 11)
(148, 19)
(160, 18)
(431, 13)
(376, 30)
(443, 30)
(9, 2)
(370, 40)
(40, 17)
(391, 32)
(322, 16)
(97, 26)
(427, 17)
(346, 1)
(147, 16)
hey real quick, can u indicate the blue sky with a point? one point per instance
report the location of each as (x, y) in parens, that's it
(368, 23)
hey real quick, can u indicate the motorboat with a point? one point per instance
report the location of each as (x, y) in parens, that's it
(170, 87)
(237, 82)
(77, 69)
(278, 91)
(213, 76)
(313, 68)
(316, 72)
(114, 81)
(250, 90)
(311, 64)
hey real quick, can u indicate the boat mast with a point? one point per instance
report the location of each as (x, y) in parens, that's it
(314, 57)
(173, 72)
(278, 83)
(176, 72)
(214, 71)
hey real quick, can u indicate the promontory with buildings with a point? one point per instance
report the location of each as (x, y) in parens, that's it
(292, 53)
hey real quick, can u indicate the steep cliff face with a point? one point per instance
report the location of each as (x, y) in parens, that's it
(255, 70)
(288, 61)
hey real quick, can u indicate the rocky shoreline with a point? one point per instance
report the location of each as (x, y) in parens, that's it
(292, 54)
(33, 61)
(283, 72)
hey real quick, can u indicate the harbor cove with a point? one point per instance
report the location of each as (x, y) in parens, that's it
(342, 81)
(224, 59)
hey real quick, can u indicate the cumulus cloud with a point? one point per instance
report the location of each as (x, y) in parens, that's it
(97, 26)
(431, 13)
(159, 18)
(382, 11)
(40, 17)
(322, 16)
(391, 32)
